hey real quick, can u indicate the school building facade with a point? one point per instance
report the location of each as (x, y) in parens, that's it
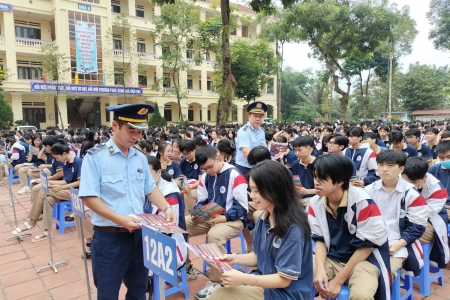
(80, 29)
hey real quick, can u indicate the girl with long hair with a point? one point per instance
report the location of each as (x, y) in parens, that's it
(282, 252)
(165, 153)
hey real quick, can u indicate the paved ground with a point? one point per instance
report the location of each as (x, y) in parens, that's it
(19, 262)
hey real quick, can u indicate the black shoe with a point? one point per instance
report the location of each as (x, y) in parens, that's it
(69, 219)
(88, 255)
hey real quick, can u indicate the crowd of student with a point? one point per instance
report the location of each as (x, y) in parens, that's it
(373, 193)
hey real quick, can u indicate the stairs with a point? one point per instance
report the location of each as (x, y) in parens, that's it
(74, 118)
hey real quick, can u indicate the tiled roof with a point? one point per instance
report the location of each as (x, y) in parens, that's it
(432, 112)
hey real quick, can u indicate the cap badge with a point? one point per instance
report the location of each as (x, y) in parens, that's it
(142, 111)
(259, 105)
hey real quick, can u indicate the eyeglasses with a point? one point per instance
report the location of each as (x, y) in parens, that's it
(331, 144)
(209, 168)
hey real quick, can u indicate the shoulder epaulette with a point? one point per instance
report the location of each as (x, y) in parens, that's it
(245, 127)
(96, 149)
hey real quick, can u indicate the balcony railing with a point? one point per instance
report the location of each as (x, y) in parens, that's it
(268, 95)
(210, 63)
(31, 42)
(2, 39)
(146, 55)
(211, 92)
(120, 52)
(190, 61)
(194, 92)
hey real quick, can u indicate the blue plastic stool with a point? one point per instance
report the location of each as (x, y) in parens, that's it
(60, 208)
(425, 279)
(408, 286)
(11, 178)
(181, 287)
(343, 295)
(228, 248)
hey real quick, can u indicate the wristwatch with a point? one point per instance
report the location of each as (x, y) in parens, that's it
(166, 208)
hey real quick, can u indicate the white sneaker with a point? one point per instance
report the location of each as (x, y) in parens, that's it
(24, 190)
(210, 288)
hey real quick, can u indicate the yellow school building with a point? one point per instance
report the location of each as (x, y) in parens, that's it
(82, 27)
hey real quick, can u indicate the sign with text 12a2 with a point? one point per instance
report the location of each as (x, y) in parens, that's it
(44, 182)
(160, 255)
(77, 203)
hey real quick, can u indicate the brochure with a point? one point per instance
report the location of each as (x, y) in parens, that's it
(208, 211)
(159, 223)
(278, 149)
(211, 254)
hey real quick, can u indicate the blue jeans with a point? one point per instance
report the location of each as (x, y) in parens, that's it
(118, 257)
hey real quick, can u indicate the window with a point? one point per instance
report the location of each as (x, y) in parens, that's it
(115, 8)
(191, 115)
(166, 82)
(270, 86)
(139, 13)
(29, 33)
(140, 47)
(234, 113)
(168, 113)
(190, 84)
(119, 79)
(188, 53)
(207, 56)
(107, 114)
(209, 115)
(117, 44)
(200, 84)
(142, 80)
(34, 115)
(29, 73)
(209, 85)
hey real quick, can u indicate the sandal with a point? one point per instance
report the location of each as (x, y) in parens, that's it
(39, 238)
(18, 231)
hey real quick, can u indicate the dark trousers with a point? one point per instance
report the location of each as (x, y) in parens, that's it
(242, 170)
(117, 257)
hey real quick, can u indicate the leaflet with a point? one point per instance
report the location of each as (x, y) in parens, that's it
(159, 223)
(208, 211)
(211, 254)
(278, 149)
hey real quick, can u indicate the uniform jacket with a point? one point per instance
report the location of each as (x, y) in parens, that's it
(365, 161)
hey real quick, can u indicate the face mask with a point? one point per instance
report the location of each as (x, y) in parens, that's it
(445, 164)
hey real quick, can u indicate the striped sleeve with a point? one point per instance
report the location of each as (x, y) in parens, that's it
(370, 230)
(416, 216)
(436, 200)
(316, 231)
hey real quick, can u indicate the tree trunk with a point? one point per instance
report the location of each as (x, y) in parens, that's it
(55, 104)
(362, 95)
(228, 84)
(279, 82)
(177, 88)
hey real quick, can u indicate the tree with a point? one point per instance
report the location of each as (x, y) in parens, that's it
(122, 41)
(252, 64)
(56, 68)
(280, 32)
(6, 114)
(175, 32)
(340, 29)
(156, 119)
(422, 87)
(439, 18)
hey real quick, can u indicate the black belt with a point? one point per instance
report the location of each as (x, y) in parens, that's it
(112, 229)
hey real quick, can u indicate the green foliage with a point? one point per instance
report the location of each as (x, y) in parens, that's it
(156, 119)
(176, 31)
(6, 114)
(439, 18)
(20, 123)
(422, 87)
(252, 64)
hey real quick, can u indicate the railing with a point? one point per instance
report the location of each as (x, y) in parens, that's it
(166, 89)
(211, 92)
(31, 42)
(2, 39)
(190, 61)
(194, 92)
(268, 95)
(146, 55)
(210, 63)
(120, 52)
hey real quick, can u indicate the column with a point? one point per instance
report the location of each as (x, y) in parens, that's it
(275, 110)
(112, 101)
(240, 116)
(132, 7)
(258, 30)
(16, 105)
(239, 27)
(204, 78)
(10, 39)
(184, 112)
(204, 113)
(161, 109)
(62, 114)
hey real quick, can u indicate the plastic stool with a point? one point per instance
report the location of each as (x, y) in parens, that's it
(181, 287)
(11, 178)
(228, 248)
(425, 279)
(343, 295)
(60, 208)
(408, 286)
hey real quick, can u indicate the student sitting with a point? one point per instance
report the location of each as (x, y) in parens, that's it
(403, 209)
(288, 158)
(191, 170)
(441, 170)
(223, 184)
(350, 235)
(397, 143)
(413, 138)
(227, 149)
(371, 139)
(362, 156)
(282, 245)
(303, 147)
(435, 195)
